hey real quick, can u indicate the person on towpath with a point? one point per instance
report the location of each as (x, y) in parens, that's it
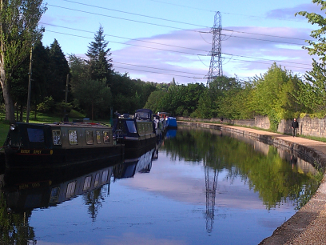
(295, 126)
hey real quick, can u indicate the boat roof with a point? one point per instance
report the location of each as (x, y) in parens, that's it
(145, 110)
(66, 124)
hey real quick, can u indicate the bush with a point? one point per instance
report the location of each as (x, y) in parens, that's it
(48, 105)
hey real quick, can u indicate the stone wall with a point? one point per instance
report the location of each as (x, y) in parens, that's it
(307, 126)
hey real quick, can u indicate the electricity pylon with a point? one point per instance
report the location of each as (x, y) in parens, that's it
(215, 67)
(210, 184)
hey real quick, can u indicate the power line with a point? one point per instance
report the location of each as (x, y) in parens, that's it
(123, 63)
(164, 19)
(175, 75)
(141, 15)
(268, 35)
(129, 39)
(174, 51)
(120, 18)
(265, 40)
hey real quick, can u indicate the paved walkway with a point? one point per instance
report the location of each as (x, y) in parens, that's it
(308, 225)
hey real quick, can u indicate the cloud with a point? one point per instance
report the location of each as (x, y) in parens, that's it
(184, 55)
(289, 13)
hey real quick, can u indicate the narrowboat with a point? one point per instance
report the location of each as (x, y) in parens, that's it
(136, 132)
(168, 121)
(31, 145)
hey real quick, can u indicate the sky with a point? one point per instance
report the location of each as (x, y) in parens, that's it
(158, 40)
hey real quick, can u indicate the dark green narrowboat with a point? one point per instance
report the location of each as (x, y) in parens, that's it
(31, 145)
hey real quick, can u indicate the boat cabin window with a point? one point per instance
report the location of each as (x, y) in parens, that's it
(89, 137)
(131, 127)
(97, 179)
(143, 115)
(105, 176)
(35, 135)
(106, 137)
(54, 196)
(56, 136)
(71, 189)
(87, 183)
(98, 137)
(73, 137)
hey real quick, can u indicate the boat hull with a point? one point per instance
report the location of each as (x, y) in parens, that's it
(48, 158)
(137, 146)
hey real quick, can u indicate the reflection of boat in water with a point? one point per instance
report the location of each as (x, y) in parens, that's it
(171, 133)
(129, 167)
(26, 190)
(136, 132)
(31, 145)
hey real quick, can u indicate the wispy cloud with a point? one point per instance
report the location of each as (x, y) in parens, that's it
(289, 13)
(246, 51)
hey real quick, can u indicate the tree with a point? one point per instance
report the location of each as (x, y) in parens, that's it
(78, 71)
(18, 31)
(273, 94)
(319, 46)
(99, 62)
(94, 96)
(58, 71)
(154, 100)
(315, 89)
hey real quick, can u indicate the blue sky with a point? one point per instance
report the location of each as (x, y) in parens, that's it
(158, 40)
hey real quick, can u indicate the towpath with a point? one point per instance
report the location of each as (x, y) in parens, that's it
(308, 225)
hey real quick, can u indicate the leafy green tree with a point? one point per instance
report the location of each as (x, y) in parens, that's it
(313, 92)
(272, 94)
(94, 96)
(98, 54)
(18, 31)
(154, 101)
(217, 91)
(236, 103)
(78, 70)
(318, 45)
(205, 108)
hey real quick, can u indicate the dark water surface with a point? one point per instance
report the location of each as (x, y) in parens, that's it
(200, 187)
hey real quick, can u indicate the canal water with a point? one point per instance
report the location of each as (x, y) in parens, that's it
(195, 187)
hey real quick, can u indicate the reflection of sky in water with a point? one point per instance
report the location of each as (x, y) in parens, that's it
(165, 206)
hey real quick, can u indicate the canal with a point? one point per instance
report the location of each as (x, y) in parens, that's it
(195, 187)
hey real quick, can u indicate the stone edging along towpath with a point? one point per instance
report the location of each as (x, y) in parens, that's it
(308, 225)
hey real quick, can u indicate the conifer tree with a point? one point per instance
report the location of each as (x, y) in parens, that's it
(99, 60)
(58, 70)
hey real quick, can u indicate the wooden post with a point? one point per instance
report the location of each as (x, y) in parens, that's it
(66, 95)
(29, 85)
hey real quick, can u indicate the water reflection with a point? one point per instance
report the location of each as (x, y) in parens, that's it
(279, 178)
(23, 191)
(199, 187)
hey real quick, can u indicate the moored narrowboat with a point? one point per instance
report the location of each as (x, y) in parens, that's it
(31, 145)
(136, 132)
(168, 121)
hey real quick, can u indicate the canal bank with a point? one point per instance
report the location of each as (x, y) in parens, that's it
(308, 225)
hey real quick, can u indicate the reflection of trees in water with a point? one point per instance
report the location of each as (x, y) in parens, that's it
(93, 199)
(273, 178)
(14, 227)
